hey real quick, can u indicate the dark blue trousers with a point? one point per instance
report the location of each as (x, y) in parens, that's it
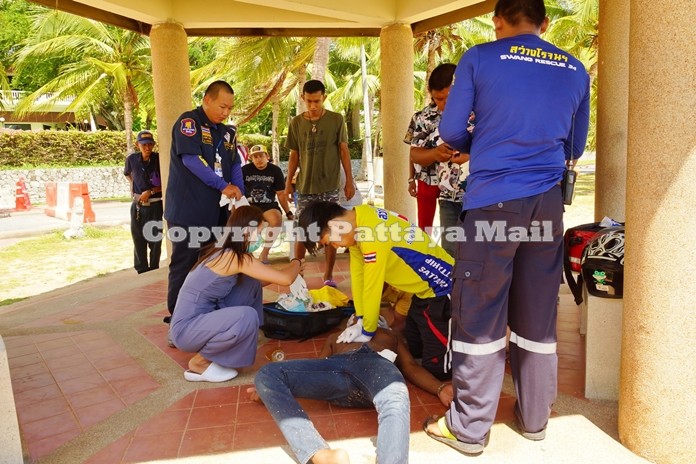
(507, 272)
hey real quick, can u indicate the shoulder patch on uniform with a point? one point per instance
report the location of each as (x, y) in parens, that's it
(188, 127)
(370, 257)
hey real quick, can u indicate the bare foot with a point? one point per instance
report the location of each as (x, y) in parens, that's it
(331, 456)
(198, 364)
(433, 428)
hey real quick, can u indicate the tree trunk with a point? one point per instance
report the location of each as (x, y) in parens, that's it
(433, 47)
(321, 58)
(275, 147)
(302, 78)
(128, 121)
(354, 122)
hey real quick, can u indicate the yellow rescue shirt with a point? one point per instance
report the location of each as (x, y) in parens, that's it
(390, 249)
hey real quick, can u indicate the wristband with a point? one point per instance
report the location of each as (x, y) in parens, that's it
(296, 259)
(440, 388)
(411, 179)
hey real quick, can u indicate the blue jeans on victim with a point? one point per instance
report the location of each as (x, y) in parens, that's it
(360, 378)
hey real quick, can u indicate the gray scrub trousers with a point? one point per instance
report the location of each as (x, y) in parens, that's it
(501, 280)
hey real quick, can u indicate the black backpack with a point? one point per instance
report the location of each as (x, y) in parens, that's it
(281, 324)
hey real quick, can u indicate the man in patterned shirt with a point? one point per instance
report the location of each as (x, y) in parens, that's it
(442, 169)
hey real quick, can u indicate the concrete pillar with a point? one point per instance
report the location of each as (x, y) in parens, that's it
(658, 360)
(172, 83)
(396, 42)
(172, 86)
(612, 110)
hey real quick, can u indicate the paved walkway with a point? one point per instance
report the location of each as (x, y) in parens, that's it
(94, 381)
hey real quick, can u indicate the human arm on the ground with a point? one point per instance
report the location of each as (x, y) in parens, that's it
(419, 376)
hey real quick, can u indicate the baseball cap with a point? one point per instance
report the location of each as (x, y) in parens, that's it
(258, 149)
(145, 137)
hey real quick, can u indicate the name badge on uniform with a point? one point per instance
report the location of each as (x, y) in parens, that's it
(206, 135)
(218, 164)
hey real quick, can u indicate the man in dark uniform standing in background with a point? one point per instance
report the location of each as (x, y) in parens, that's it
(204, 165)
(143, 172)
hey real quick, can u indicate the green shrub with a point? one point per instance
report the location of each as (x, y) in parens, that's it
(54, 149)
(24, 149)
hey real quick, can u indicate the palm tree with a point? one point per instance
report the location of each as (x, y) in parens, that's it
(320, 60)
(575, 28)
(114, 66)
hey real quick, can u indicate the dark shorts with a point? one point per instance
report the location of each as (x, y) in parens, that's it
(427, 333)
(303, 199)
(267, 206)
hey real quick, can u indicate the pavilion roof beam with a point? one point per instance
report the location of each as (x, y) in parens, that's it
(487, 6)
(86, 11)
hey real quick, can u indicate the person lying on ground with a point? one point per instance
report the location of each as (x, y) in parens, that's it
(358, 375)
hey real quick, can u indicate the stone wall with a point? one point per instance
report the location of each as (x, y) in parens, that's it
(106, 182)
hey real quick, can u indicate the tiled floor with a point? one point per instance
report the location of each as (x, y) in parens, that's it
(67, 382)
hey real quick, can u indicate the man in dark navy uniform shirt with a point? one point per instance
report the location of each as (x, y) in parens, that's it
(204, 165)
(143, 172)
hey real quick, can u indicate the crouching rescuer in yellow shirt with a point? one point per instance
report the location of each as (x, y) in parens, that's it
(386, 247)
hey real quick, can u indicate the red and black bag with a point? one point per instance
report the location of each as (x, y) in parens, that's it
(575, 240)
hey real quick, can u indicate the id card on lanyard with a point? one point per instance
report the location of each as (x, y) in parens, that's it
(218, 160)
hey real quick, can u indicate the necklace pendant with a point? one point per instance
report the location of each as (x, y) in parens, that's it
(314, 128)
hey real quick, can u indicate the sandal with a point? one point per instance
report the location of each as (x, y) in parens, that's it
(446, 437)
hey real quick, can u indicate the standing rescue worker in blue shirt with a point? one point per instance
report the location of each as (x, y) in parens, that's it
(531, 102)
(143, 172)
(204, 164)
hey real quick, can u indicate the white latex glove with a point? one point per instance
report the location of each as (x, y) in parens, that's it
(299, 289)
(353, 333)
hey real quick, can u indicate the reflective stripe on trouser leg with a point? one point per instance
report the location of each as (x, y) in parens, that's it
(532, 315)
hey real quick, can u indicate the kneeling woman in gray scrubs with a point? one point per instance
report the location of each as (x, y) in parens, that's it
(219, 308)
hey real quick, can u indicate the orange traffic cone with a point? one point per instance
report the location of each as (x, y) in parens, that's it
(22, 201)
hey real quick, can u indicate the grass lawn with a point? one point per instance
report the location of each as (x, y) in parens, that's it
(41, 264)
(47, 262)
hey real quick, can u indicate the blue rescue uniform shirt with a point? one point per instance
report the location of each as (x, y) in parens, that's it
(145, 175)
(189, 201)
(527, 96)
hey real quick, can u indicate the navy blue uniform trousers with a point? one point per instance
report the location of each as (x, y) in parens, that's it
(507, 272)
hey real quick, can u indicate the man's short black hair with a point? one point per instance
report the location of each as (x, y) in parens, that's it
(314, 86)
(319, 213)
(517, 11)
(216, 87)
(441, 77)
